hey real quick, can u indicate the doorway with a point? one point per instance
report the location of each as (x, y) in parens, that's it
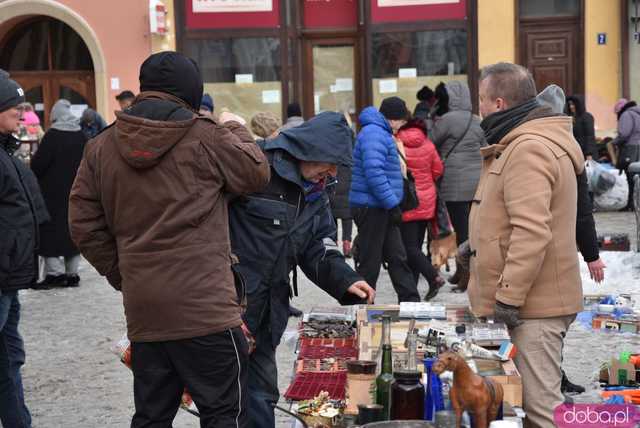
(50, 61)
(331, 76)
(551, 43)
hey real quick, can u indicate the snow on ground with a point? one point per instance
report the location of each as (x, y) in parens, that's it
(73, 380)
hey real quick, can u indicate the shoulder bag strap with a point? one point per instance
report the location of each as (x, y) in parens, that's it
(444, 158)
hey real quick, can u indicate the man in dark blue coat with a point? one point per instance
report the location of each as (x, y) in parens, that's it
(289, 224)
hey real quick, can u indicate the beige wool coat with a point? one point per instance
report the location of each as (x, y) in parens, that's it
(523, 222)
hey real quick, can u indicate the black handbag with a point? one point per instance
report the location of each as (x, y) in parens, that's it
(410, 199)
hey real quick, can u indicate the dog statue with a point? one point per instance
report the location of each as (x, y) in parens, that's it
(480, 396)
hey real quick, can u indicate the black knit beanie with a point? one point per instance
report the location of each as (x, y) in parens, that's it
(394, 108)
(11, 94)
(172, 73)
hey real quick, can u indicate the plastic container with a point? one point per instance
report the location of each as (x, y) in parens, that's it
(407, 396)
(361, 384)
(433, 400)
(368, 413)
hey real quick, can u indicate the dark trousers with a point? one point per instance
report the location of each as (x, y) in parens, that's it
(263, 380)
(347, 228)
(631, 187)
(459, 214)
(413, 234)
(13, 411)
(379, 240)
(213, 368)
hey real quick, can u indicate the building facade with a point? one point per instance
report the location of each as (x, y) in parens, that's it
(341, 55)
(84, 51)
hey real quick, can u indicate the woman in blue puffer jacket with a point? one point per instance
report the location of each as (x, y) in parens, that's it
(377, 178)
(375, 196)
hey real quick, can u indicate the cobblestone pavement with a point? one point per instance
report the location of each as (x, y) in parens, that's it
(73, 380)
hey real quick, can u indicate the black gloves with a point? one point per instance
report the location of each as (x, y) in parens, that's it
(510, 315)
(395, 215)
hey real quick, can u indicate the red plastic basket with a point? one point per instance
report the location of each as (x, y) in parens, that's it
(306, 386)
(317, 341)
(316, 352)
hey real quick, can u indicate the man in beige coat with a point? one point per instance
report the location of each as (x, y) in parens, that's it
(524, 263)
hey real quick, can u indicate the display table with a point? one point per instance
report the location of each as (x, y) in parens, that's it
(329, 337)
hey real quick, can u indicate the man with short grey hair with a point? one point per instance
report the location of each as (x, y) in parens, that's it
(524, 264)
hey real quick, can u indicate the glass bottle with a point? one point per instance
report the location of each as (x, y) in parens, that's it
(407, 396)
(412, 349)
(385, 378)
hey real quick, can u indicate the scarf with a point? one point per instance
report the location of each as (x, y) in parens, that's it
(9, 143)
(61, 117)
(313, 191)
(499, 124)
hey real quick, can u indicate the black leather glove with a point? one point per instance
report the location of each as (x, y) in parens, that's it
(510, 315)
(395, 215)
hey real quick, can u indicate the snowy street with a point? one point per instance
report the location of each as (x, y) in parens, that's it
(73, 380)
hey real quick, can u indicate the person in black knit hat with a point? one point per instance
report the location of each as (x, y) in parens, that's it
(148, 210)
(375, 197)
(21, 212)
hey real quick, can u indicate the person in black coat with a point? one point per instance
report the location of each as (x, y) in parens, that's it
(583, 126)
(55, 164)
(286, 225)
(426, 98)
(339, 199)
(21, 211)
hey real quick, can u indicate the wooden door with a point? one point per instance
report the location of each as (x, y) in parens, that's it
(332, 80)
(550, 51)
(43, 89)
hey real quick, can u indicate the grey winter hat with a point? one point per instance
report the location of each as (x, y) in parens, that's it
(11, 94)
(552, 96)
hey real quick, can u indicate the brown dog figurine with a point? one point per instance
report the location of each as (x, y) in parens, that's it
(480, 396)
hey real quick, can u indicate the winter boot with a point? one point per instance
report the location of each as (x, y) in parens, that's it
(295, 312)
(570, 388)
(51, 281)
(73, 280)
(463, 278)
(434, 287)
(455, 278)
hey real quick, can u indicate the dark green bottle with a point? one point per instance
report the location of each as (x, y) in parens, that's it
(385, 378)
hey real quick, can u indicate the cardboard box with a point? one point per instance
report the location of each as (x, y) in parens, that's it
(506, 374)
(618, 370)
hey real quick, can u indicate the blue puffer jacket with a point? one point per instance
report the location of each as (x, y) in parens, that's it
(376, 180)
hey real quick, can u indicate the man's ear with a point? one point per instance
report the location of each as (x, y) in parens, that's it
(501, 104)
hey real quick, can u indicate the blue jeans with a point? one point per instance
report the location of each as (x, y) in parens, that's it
(13, 411)
(263, 380)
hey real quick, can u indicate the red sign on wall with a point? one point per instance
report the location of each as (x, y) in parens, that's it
(240, 19)
(330, 13)
(417, 10)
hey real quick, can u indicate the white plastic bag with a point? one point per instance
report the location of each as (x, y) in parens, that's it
(599, 178)
(615, 198)
(122, 348)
